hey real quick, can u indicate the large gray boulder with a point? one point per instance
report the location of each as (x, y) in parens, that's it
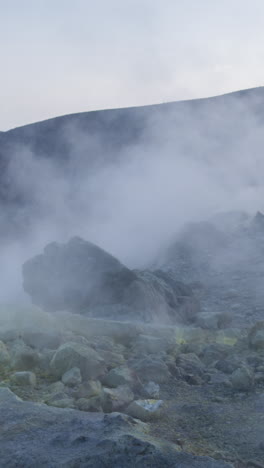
(74, 276)
(82, 278)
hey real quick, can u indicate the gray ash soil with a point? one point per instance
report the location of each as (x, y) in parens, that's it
(209, 421)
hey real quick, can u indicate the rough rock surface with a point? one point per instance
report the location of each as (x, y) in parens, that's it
(202, 413)
(81, 277)
(222, 259)
(41, 436)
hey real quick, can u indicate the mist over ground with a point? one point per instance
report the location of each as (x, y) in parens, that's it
(129, 179)
(138, 236)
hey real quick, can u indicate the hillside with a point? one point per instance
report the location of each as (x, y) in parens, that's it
(79, 143)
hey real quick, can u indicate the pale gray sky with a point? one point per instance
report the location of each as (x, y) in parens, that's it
(63, 56)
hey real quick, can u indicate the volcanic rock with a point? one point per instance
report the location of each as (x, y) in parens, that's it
(82, 278)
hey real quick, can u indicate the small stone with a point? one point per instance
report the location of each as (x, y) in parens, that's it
(207, 321)
(56, 387)
(25, 358)
(118, 376)
(89, 404)
(228, 366)
(145, 410)
(219, 378)
(152, 389)
(242, 379)
(45, 358)
(112, 359)
(114, 399)
(218, 399)
(261, 446)
(55, 391)
(257, 341)
(151, 369)
(63, 403)
(190, 363)
(88, 389)
(4, 354)
(214, 352)
(22, 379)
(41, 340)
(256, 336)
(72, 377)
(259, 377)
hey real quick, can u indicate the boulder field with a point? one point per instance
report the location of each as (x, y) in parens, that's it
(101, 393)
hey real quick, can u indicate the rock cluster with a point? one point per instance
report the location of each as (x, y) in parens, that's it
(78, 373)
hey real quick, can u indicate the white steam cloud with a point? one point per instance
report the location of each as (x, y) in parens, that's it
(192, 161)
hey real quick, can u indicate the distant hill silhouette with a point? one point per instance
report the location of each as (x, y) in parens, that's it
(104, 136)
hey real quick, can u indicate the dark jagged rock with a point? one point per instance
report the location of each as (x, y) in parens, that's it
(74, 276)
(80, 277)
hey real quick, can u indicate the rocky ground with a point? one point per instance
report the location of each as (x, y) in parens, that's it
(77, 391)
(182, 388)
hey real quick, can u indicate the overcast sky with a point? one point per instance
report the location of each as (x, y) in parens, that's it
(63, 56)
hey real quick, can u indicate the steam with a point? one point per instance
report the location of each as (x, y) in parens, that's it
(191, 161)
